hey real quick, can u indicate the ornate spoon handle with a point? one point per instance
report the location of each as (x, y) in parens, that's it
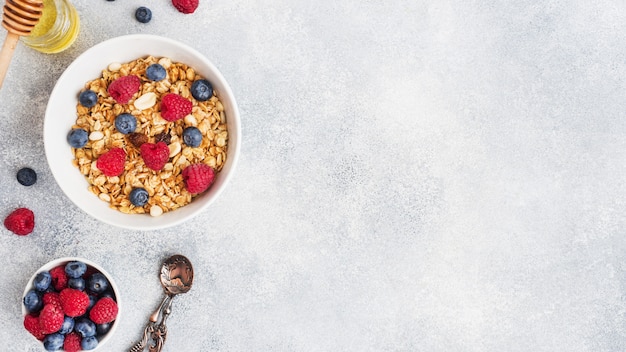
(160, 333)
(151, 328)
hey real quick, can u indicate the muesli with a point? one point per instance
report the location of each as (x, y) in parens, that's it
(150, 135)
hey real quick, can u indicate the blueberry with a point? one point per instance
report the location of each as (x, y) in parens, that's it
(77, 138)
(75, 269)
(42, 281)
(97, 283)
(53, 342)
(68, 325)
(85, 327)
(26, 176)
(192, 136)
(202, 90)
(143, 14)
(92, 300)
(89, 343)
(126, 123)
(109, 294)
(88, 98)
(155, 72)
(33, 301)
(77, 283)
(102, 329)
(138, 197)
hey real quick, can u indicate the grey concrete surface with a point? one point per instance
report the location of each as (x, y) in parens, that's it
(415, 176)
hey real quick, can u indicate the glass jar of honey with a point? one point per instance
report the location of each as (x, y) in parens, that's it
(57, 28)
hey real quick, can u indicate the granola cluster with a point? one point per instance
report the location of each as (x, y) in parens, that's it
(166, 188)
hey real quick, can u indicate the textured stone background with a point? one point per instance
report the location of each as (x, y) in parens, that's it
(419, 175)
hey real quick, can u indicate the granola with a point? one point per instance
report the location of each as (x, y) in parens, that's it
(165, 187)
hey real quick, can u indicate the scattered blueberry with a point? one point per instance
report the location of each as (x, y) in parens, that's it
(26, 176)
(192, 136)
(97, 283)
(126, 123)
(77, 138)
(88, 98)
(102, 329)
(89, 343)
(77, 283)
(143, 14)
(53, 342)
(42, 281)
(68, 325)
(75, 269)
(202, 90)
(155, 72)
(33, 301)
(139, 197)
(85, 327)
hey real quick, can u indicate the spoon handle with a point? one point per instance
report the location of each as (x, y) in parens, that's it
(160, 333)
(151, 327)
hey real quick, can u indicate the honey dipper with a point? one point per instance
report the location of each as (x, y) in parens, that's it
(19, 18)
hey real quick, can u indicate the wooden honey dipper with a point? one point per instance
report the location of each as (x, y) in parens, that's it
(19, 18)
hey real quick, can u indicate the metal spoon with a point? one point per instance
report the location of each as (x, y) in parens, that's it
(176, 278)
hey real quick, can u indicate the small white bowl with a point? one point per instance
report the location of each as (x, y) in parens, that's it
(61, 115)
(62, 261)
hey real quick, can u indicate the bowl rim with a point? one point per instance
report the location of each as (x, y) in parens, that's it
(59, 261)
(113, 216)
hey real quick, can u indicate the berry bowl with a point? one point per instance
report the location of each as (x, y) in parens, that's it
(142, 132)
(71, 304)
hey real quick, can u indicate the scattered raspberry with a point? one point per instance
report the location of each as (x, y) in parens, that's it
(31, 323)
(71, 342)
(74, 302)
(155, 156)
(175, 107)
(104, 311)
(111, 163)
(186, 6)
(198, 177)
(137, 139)
(52, 298)
(59, 278)
(21, 221)
(123, 88)
(50, 319)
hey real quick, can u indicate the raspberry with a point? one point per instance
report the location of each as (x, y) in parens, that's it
(104, 311)
(174, 107)
(123, 88)
(52, 298)
(155, 156)
(21, 221)
(31, 323)
(111, 163)
(186, 6)
(71, 342)
(50, 318)
(198, 177)
(74, 302)
(59, 278)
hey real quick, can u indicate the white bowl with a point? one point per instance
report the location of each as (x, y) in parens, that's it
(61, 115)
(62, 261)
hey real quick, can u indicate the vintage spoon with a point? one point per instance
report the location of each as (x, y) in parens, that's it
(176, 278)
